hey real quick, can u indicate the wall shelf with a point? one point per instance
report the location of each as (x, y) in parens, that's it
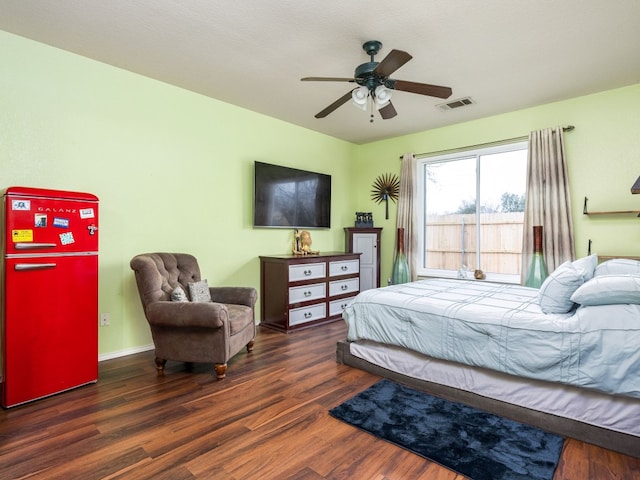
(612, 212)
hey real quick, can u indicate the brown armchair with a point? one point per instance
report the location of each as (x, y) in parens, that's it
(207, 332)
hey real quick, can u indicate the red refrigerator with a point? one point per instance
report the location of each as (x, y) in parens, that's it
(49, 293)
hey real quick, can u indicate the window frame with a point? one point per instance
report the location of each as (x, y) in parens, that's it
(459, 154)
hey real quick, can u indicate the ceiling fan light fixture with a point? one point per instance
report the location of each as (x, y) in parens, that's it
(382, 97)
(359, 97)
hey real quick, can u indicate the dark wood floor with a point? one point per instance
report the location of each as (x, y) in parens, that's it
(267, 420)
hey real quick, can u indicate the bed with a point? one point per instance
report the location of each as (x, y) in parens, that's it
(565, 358)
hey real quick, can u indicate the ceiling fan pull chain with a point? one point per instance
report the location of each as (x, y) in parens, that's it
(371, 110)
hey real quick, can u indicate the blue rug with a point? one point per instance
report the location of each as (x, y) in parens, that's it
(468, 441)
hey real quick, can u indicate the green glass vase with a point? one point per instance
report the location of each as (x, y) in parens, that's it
(537, 272)
(400, 273)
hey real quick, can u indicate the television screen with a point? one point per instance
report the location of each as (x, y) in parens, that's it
(291, 198)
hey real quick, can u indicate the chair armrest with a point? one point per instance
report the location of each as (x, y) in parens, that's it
(187, 314)
(235, 295)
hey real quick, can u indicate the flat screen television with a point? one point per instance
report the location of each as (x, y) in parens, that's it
(286, 197)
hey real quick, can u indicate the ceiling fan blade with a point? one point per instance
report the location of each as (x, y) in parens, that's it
(393, 61)
(388, 111)
(419, 88)
(327, 79)
(338, 103)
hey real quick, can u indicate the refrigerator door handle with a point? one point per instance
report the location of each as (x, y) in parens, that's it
(33, 246)
(33, 266)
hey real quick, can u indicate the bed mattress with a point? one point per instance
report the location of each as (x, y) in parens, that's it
(612, 412)
(501, 327)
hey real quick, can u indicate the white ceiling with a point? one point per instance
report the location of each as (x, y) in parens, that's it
(505, 54)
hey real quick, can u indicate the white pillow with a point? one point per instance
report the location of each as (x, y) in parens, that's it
(588, 264)
(179, 295)
(199, 291)
(609, 290)
(618, 266)
(555, 292)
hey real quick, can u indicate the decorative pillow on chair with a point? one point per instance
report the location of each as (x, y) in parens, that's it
(179, 295)
(555, 292)
(199, 291)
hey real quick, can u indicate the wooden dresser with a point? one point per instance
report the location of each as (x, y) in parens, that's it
(303, 291)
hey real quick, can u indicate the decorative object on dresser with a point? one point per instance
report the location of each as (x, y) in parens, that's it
(385, 187)
(635, 188)
(367, 242)
(364, 220)
(302, 243)
(304, 291)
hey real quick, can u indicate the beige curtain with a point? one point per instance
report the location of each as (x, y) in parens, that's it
(548, 202)
(406, 211)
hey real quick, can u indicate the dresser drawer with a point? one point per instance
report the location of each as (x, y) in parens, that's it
(337, 306)
(307, 292)
(307, 314)
(306, 271)
(344, 267)
(340, 287)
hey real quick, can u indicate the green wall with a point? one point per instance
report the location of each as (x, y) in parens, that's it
(603, 160)
(173, 168)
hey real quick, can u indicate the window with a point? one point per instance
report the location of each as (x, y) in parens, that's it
(472, 206)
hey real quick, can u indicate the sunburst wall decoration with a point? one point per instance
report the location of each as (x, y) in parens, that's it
(385, 187)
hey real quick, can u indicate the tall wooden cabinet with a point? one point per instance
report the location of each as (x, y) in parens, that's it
(302, 291)
(367, 242)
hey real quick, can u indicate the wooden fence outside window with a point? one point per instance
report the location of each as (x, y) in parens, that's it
(451, 242)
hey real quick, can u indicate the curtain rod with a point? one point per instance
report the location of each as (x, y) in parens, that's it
(568, 128)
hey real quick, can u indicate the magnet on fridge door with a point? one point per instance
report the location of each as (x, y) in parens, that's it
(87, 213)
(22, 235)
(40, 220)
(66, 238)
(24, 205)
(60, 222)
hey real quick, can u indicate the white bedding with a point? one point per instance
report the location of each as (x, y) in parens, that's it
(501, 327)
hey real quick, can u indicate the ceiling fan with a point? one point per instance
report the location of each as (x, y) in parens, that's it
(375, 84)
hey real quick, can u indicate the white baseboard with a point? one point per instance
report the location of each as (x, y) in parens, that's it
(125, 352)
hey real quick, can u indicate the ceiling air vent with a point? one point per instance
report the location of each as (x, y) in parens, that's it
(460, 102)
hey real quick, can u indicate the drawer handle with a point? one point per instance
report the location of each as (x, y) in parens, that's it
(343, 306)
(344, 287)
(308, 315)
(307, 293)
(307, 272)
(344, 268)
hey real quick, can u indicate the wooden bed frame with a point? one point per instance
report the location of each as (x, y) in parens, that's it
(612, 440)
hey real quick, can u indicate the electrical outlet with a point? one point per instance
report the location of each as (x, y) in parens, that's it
(104, 319)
